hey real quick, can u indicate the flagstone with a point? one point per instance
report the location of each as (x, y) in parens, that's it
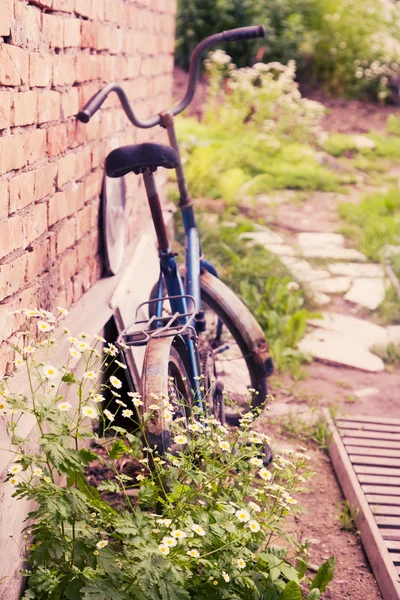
(334, 252)
(340, 349)
(357, 270)
(367, 392)
(333, 285)
(367, 292)
(362, 331)
(280, 249)
(263, 237)
(320, 240)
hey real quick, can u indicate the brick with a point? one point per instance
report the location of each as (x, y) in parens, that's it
(89, 33)
(66, 169)
(83, 162)
(35, 146)
(4, 197)
(27, 21)
(69, 103)
(63, 69)
(76, 197)
(45, 180)
(48, 106)
(6, 359)
(5, 18)
(40, 69)
(5, 110)
(97, 10)
(57, 140)
(21, 190)
(72, 33)
(63, 5)
(37, 260)
(66, 236)
(25, 108)
(13, 65)
(34, 223)
(58, 207)
(83, 7)
(53, 30)
(83, 221)
(12, 154)
(12, 276)
(87, 248)
(67, 268)
(93, 185)
(10, 236)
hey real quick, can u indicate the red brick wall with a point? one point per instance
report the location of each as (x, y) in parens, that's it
(54, 54)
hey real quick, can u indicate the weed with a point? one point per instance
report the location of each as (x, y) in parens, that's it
(389, 310)
(350, 399)
(390, 354)
(393, 125)
(348, 515)
(307, 430)
(374, 222)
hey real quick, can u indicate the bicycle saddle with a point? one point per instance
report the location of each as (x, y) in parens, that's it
(139, 157)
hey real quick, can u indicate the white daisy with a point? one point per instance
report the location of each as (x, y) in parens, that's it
(109, 415)
(198, 529)
(43, 326)
(102, 544)
(127, 413)
(180, 439)
(90, 375)
(64, 406)
(115, 382)
(265, 474)
(253, 525)
(49, 372)
(193, 553)
(243, 515)
(163, 549)
(89, 411)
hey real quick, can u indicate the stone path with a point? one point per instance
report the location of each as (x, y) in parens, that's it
(336, 338)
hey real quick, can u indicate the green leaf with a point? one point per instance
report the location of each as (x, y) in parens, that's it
(292, 591)
(68, 378)
(324, 574)
(118, 449)
(315, 594)
(301, 568)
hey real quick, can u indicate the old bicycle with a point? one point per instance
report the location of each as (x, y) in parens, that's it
(197, 329)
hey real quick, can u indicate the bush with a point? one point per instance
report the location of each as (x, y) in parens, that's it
(202, 522)
(351, 47)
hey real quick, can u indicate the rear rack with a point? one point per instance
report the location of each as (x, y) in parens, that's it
(158, 327)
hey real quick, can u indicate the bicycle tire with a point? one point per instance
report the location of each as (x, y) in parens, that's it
(163, 360)
(243, 327)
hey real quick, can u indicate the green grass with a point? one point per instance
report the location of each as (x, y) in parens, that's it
(374, 222)
(237, 163)
(385, 146)
(390, 354)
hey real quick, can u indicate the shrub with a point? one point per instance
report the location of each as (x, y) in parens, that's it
(199, 522)
(350, 47)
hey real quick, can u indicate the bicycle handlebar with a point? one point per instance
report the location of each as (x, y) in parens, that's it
(232, 35)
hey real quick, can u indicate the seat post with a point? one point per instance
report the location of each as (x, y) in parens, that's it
(156, 210)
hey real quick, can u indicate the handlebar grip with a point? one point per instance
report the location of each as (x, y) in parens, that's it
(93, 105)
(243, 33)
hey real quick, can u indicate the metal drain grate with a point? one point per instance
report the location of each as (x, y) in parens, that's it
(365, 453)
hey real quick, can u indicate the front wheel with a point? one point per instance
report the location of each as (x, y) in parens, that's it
(241, 355)
(165, 391)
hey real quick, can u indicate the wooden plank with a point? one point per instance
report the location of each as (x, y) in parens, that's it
(375, 461)
(395, 556)
(392, 545)
(382, 499)
(367, 470)
(378, 555)
(370, 419)
(381, 489)
(366, 451)
(390, 535)
(368, 426)
(385, 510)
(392, 522)
(370, 435)
(371, 443)
(380, 480)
